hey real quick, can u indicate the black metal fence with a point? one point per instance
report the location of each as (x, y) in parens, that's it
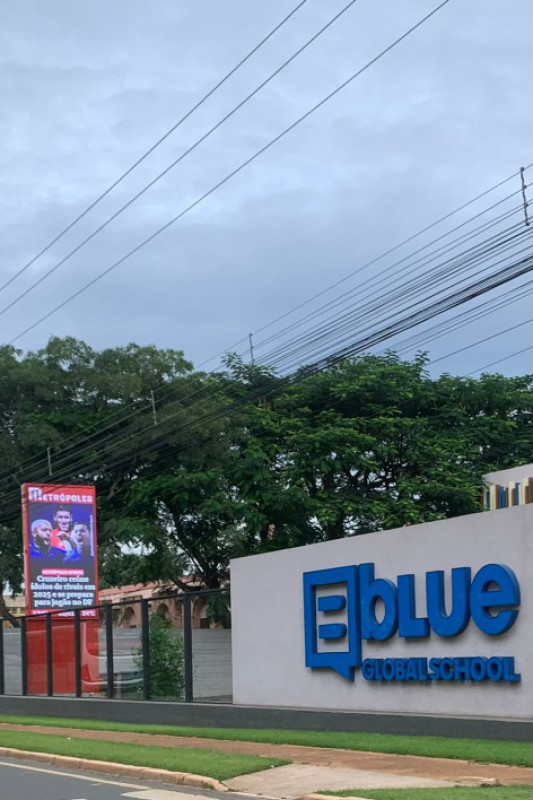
(131, 657)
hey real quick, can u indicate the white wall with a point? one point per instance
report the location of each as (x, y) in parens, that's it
(505, 476)
(268, 622)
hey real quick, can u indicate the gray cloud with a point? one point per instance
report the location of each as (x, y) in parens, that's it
(85, 88)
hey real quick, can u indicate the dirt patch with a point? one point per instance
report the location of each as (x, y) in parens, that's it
(417, 766)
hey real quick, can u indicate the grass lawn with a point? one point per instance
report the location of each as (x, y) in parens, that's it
(495, 752)
(176, 759)
(453, 793)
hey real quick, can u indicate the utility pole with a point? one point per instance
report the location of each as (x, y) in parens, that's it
(524, 187)
(154, 412)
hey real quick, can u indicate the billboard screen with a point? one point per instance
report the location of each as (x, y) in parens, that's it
(59, 532)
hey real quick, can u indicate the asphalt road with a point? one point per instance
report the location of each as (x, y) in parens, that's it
(25, 781)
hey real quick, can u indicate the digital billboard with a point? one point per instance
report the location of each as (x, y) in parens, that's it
(60, 548)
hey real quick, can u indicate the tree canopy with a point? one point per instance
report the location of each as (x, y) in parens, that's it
(193, 468)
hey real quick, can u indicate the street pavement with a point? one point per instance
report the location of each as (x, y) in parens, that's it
(295, 780)
(25, 781)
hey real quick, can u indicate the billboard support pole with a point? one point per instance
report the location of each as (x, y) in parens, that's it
(49, 657)
(110, 687)
(24, 656)
(187, 642)
(145, 644)
(2, 678)
(77, 652)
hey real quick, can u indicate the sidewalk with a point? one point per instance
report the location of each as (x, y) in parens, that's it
(315, 768)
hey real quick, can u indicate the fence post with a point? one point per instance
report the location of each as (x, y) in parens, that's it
(110, 688)
(77, 652)
(2, 674)
(49, 657)
(24, 656)
(187, 647)
(145, 645)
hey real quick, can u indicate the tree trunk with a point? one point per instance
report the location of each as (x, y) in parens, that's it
(6, 613)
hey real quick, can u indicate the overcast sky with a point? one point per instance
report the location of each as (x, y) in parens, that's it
(87, 86)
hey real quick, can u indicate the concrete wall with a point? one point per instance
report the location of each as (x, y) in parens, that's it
(204, 715)
(211, 661)
(268, 621)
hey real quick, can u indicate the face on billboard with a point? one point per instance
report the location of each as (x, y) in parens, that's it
(63, 519)
(81, 536)
(42, 534)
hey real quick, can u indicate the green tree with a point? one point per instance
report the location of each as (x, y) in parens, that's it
(62, 398)
(243, 461)
(375, 443)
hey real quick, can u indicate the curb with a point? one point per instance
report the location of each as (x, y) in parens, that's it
(329, 797)
(113, 768)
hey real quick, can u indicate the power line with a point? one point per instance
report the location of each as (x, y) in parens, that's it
(120, 413)
(138, 410)
(335, 302)
(400, 268)
(383, 306)
(361, 309)
(432, 309)
(165, 136)
(236, 171)
(499, 360)
(371, 263)
(482, 341)
(178, 160)
(463, 319)
(201, 390)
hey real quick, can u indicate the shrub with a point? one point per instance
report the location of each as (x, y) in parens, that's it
(167, 660)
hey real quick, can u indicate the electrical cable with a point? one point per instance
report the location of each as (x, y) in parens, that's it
(174, 163)
(407, 291)
(165, 136)
(463, 319)
(482, 341)
(235, 171)
(355, 272)
(400, 270)
(499, 360)
(137, 411)
(473, 290)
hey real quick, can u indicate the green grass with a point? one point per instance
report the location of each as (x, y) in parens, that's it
(177, 759)
(490, 751)
(453, 793)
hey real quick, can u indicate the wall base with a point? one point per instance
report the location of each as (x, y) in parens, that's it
(231, 716)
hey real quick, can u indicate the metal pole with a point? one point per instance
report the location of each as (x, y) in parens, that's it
(187, 647)
(2, 678)
(110, 689)
(49, 657)
(77, 652)
(24, 656)
(524, 198)
(145, 643)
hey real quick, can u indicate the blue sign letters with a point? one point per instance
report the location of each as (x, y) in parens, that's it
(340, 612)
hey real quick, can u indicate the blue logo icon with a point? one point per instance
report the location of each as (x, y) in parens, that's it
(332, 636)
